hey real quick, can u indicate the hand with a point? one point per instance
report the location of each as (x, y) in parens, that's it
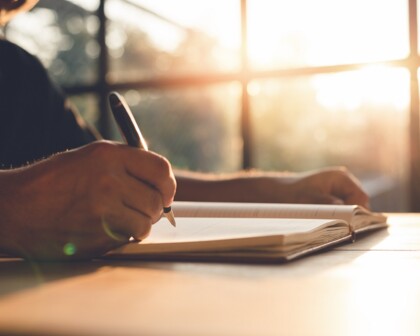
(328, 186)
(84, 202)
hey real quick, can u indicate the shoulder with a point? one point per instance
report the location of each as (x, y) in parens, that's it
(11, 52)
(16, 62)
(23, 74)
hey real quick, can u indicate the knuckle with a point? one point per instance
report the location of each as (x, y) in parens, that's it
(163, 166)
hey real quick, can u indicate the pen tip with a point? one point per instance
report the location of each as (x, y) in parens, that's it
(169, 215)
(171, 218)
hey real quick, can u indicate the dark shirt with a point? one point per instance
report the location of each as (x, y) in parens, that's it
(36, 120)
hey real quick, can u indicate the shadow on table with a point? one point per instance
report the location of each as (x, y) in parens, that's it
(17, 275)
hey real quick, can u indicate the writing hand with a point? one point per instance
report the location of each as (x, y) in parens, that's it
(84, 202)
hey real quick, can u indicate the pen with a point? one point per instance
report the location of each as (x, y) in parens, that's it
(131, 132)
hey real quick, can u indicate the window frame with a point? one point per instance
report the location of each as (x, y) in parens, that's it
(244, 75)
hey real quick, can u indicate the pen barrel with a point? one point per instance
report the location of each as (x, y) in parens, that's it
(126, 122)
(131, 132)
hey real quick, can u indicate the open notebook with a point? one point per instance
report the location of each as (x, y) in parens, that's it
(250, 232)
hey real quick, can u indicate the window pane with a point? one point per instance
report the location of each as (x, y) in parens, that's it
(195, 128)
(325, 32)
(165, 37)
(62, 34)
(356, 119)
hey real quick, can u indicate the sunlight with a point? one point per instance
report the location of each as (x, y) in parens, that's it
(377, 85)
(206, 17)
(376, 296)
(261, 20)
(327, 32)
(281, 34)
(305, 32)
(218, 18)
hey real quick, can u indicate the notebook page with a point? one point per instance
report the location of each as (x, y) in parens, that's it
(192, 234)
(193, 229)
(263, 210)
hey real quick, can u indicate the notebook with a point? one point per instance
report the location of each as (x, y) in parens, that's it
(250, 232)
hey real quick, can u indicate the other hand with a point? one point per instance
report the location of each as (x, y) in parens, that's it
(327, 186)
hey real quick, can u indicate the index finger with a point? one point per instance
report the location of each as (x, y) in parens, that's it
(347, 187)
(153, 169)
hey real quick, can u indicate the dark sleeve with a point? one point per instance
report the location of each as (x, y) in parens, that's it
(36, 120)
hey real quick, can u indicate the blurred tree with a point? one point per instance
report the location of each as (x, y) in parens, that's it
(76, 49)
(186, 126)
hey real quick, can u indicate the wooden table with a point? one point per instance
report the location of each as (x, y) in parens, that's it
(371, 287)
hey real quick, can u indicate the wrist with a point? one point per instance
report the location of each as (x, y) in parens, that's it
(265, 189)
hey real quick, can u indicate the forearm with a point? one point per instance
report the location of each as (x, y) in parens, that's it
(324, 186)
(93, 198)
(8, 209)
(237, 187)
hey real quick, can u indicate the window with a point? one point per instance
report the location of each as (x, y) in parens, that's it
(229, 84)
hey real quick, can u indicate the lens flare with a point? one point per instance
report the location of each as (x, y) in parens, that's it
(69, 249)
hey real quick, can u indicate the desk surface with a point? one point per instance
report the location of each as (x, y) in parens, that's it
(371, 287)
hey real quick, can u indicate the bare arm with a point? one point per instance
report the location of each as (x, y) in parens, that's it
(81, 203)
(327, 186)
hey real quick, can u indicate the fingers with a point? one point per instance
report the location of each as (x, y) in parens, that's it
(148, 167)
(91, 199)
(125, 224)
(135, 174)
(142, 198)
(115, 221)
(131, 205)
(129, 189)
(152, 169)
(331, 186)
(145, 186)
(349, 189)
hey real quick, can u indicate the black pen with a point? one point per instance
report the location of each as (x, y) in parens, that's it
(131, 133)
